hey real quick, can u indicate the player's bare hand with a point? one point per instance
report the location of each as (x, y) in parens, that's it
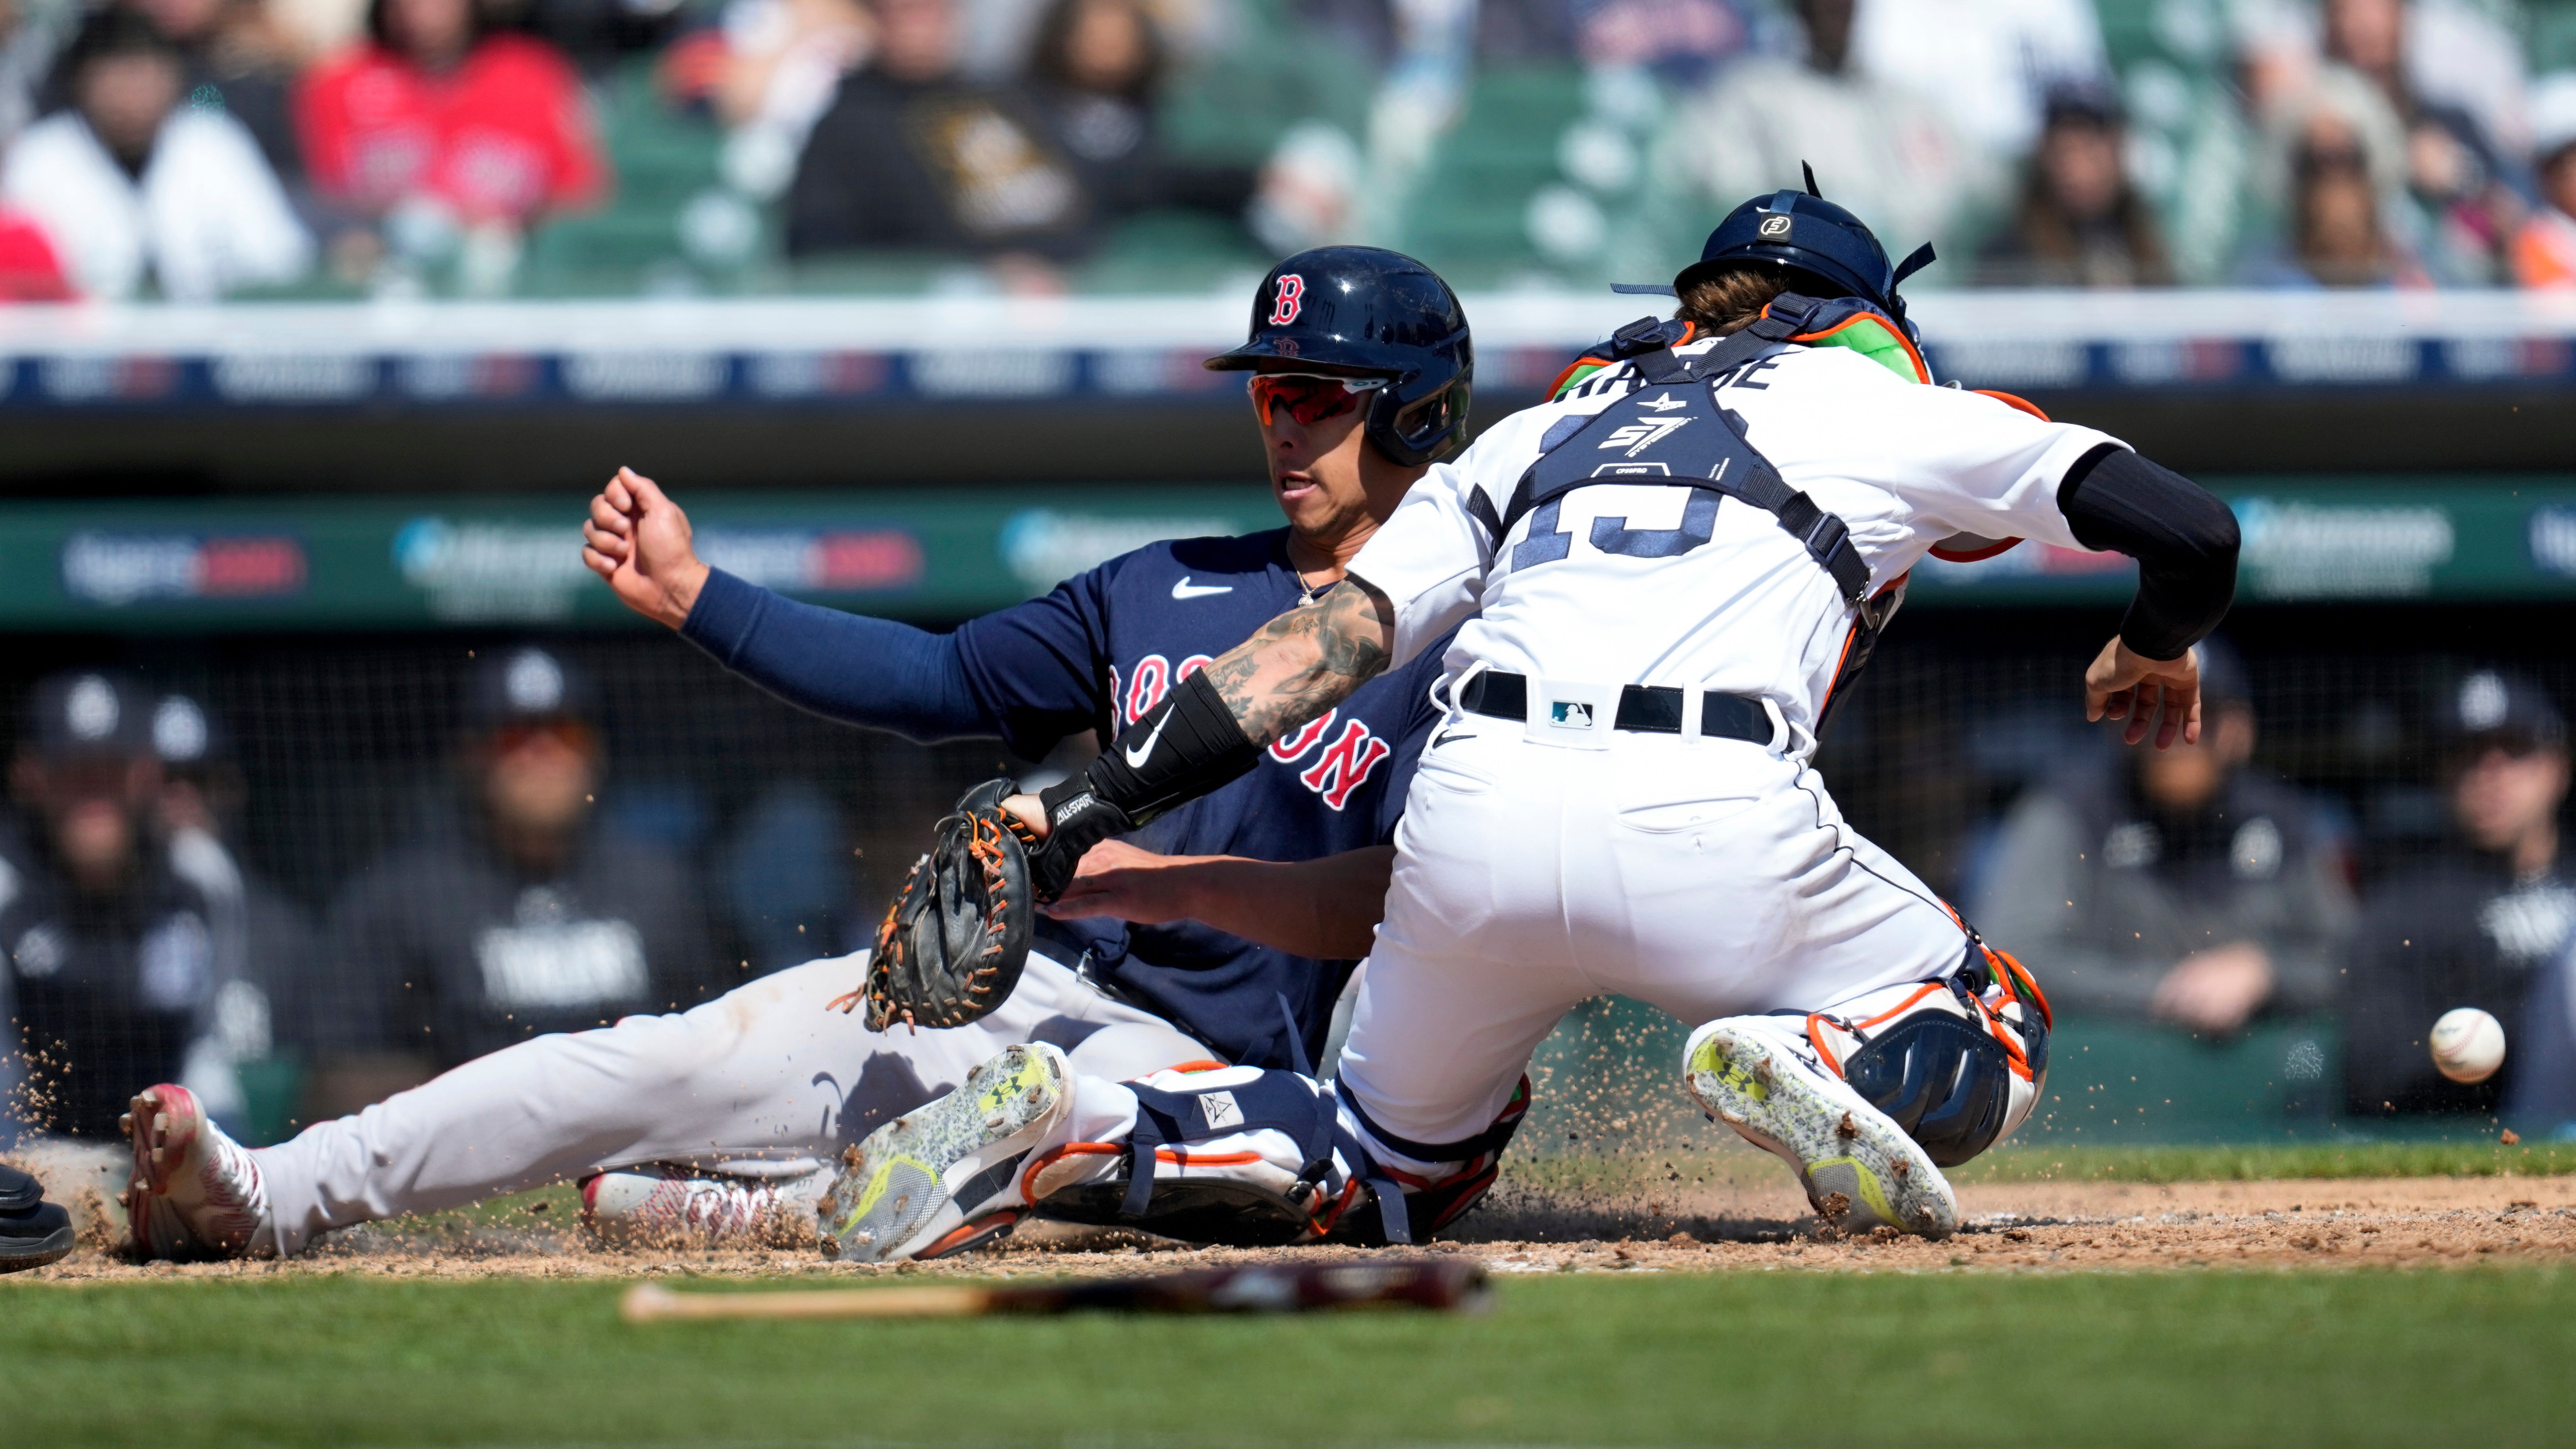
(1032, 813)
(2215, 991)
(638, 540)
(1117, 879)
(2158, 694)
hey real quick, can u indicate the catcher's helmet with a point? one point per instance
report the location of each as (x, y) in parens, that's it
(1369, 312)
(1805, 231)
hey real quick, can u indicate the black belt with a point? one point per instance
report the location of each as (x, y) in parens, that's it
(1643, 708)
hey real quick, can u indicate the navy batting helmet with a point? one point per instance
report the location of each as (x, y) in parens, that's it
(1805, 231)
(1370, 312)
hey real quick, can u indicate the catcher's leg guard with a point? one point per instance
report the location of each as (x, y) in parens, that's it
(1236, 1155)
(1958, 1063)
(1250, 1157)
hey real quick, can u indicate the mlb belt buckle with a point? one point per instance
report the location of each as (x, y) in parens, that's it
(1572, 715)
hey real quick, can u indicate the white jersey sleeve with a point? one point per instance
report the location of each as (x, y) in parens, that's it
(1429, 558)
(1960, 462)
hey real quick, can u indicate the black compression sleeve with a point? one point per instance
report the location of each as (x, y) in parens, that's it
(1174, 754)
(2183, 537)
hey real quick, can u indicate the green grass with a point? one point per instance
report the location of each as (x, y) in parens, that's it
(1626, 1174)
(2207, 1359)
(2246, 1163)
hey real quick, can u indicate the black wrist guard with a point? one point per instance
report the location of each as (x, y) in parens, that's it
(1176, 752)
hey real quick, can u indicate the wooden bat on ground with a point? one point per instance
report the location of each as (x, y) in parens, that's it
(1440, 1283)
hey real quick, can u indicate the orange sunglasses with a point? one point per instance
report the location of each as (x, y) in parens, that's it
(1309, 397)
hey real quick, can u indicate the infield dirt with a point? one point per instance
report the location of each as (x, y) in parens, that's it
(1743, 1216)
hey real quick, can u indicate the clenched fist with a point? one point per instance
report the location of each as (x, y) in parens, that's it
(638, 540)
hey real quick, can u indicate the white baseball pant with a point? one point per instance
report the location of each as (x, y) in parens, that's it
(764, 1081)
(1707, 877)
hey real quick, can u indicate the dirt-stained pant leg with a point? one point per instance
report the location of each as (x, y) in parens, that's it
(764, 1081)
(1706, 877)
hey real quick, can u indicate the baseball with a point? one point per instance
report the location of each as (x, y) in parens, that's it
(2468, 1044)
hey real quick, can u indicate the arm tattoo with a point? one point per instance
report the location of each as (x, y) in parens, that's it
(1307, 660)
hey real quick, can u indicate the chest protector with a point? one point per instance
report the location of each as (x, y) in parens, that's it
(1671, 431)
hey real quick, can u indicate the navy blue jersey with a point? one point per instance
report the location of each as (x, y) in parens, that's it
(1104, 648)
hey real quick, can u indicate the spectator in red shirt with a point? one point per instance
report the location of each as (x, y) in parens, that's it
(450, 134)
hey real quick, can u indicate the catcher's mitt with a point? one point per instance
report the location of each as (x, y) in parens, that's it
(957, 935)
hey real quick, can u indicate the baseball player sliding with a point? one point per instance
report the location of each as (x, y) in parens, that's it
(1657, 583)
(710, 1122)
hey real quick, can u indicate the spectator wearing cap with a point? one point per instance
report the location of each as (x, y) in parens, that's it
(1878, 145)
(2182, 887)
(2544, 249)
(134, 184)
(2477, 923)
(515, 913)
(110, 951)
(2080, 220)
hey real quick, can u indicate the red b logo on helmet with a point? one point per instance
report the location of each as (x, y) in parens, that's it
(1292, 295)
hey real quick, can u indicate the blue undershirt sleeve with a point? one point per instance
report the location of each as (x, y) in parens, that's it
(844, 667)
(1042, 668)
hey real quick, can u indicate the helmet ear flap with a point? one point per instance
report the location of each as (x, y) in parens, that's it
(1413, 431)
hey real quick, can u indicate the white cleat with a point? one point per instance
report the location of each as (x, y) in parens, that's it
(944, 1177)
(661, 1206)
(1759, 1075)
(195, 1193)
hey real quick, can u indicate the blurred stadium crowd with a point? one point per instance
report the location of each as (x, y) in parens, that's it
(396, 866)
(369, 867)
(195, 149)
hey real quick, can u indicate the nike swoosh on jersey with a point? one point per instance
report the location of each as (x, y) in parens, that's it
(1187, 590)
(1137, 757)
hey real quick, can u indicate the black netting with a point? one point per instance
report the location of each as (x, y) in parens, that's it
(346, 777)
(739, 835)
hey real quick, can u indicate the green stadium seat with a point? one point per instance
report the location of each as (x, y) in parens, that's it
(1172, 250)
(1274, 73)
(662, 158)
(1467, 216)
